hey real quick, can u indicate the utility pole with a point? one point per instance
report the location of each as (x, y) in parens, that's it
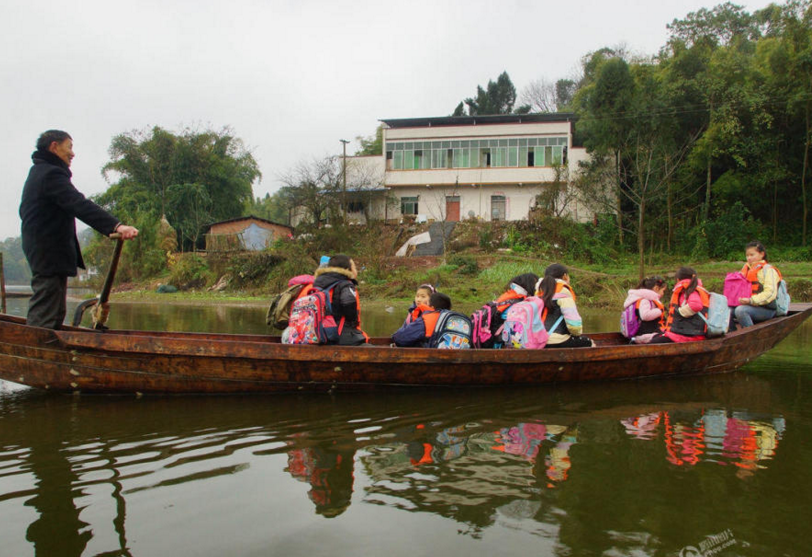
(344, 172)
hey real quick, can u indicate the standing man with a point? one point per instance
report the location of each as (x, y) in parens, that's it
(49, 207)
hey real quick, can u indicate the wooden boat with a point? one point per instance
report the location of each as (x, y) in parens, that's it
(89, 361)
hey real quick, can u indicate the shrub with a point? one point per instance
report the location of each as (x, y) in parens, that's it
(466, 265)
(252, 268)
(189, 271)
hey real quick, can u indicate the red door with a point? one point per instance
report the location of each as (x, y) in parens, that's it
(452, 208)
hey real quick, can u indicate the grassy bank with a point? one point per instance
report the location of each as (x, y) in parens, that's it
(480, 259)
(474, 278)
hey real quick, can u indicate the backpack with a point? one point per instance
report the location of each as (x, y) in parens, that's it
(718, 319)
(736, 286)
(453, 331)
(311, 320)
(782, 299)
(481, 321)
(524, 325)
(279, 310)
(630, 320)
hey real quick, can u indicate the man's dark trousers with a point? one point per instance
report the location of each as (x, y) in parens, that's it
(48, 306)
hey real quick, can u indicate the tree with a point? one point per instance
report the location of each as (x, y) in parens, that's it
(145, 164)
(498, 98)
(717, 26)
(372, 145)
(189, 207)
(605, 107)
(315, 185)
(547, 97)
(15, 266)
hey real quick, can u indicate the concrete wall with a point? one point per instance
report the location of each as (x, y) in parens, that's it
(477, 201)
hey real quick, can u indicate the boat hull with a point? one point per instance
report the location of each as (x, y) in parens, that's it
(82, 360)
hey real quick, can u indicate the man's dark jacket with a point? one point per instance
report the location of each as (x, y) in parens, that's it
(49, 206)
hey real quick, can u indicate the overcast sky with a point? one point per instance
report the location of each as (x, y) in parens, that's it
(291, 78)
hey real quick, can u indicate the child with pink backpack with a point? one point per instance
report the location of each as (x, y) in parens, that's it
(643, 313)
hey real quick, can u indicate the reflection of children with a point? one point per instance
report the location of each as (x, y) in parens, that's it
(642, 427)
(558, 461)
(329, 471)
(524, 439)
(421, 297)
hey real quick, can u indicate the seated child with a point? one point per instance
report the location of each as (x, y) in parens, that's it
(419, 331)
(421, 297)
(519, 288)
(760, 305)
(649, 308)
(559, 299)
(688, 299)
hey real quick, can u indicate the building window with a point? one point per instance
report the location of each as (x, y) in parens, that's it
(498, 207)
(476, 153)
(355, 207)
(408, 205)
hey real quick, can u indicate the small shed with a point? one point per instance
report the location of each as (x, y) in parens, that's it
(245, 234)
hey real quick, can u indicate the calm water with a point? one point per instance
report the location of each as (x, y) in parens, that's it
(657, 467)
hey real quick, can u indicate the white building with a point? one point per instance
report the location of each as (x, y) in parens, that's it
(486, 167)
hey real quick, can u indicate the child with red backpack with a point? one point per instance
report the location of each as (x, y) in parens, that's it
(331, 312)
(488, 320)
(643, 312)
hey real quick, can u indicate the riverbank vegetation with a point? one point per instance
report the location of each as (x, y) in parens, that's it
(480, 259)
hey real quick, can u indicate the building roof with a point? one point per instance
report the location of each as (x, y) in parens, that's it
(249, 217)
(478, 120)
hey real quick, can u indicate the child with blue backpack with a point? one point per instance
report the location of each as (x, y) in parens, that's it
(689, 304)
(435, 327)
(559, 302)
(421, 297)
(644, 313)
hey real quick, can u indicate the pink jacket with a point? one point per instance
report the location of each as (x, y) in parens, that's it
(648, 309)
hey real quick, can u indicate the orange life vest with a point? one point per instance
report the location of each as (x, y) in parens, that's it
(430, 319)
(559, 286)
(661, 321)
(508, 299)
(419, 309)
(751, 274)
(674, 305)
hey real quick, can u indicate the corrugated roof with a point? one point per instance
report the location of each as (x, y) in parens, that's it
(477, 120)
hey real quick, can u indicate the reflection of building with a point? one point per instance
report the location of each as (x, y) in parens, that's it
(244, 233)
(485, 167)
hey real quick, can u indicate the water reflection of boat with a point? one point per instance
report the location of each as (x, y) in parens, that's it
(540, 458)
(75, 359)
